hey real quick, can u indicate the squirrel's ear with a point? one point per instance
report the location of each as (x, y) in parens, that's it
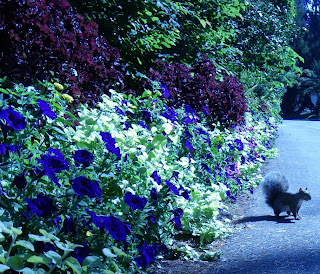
(300, 190)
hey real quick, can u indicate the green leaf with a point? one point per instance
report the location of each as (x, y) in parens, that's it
(4, 91)
(64, 247)
(159, 138)
(107, 252)
(3, 268)
(118, 251)
(38, 238)
(41, 259)
(74, 264)
(53, 255)
(92, 261)
(142, 170)
(15, 263)
(28, 270)
(25, 244)
(49, 235)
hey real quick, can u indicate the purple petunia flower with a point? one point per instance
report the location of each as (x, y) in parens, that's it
(83, 157)
(172, 188)
(42, 206)
(8, 148)
(170, 114)
(116, 228)
(84, 186)
(69, 226)
(20, 181)
(134, 201)
(140, 123)
(13, 120)
(188, 109)
(156, 177)
(165, 91)
(175, 174)
(178, 213)
(45, 109)
(207, 168)
(188, 145)
(81, 252)
(119, 111)
(147, 116)
(53, 164)
(147, 255)
(110, 144)
(154, 194)
(239, 144)
(184, 193)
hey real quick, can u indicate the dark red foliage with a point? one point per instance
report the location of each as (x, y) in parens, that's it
(42, 36)
(197, 86)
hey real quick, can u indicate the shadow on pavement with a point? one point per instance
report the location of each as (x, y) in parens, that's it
(252, 219)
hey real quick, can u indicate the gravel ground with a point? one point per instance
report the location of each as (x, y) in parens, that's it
(262, 243)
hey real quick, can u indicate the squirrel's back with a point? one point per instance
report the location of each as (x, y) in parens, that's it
(273, 184)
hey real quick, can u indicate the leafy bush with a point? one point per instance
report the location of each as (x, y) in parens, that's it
(198, 88)
(40, 38)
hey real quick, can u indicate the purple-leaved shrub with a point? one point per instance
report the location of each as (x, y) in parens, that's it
(39, 37)
(197, 87)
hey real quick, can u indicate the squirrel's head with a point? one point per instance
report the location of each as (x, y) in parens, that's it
(305, 194)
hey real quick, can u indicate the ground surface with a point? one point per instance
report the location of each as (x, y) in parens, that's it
(261, 243)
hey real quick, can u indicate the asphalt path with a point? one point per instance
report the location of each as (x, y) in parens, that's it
(265, 244)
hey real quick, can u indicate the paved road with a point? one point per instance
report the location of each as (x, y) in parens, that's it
(268, 245)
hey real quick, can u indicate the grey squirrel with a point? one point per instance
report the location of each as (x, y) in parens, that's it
(275, 187)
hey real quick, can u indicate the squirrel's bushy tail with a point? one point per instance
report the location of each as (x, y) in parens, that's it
(273, 184)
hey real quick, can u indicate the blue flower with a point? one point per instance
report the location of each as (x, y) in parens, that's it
(4, 149)
(116, 228)
(188, 134)
(147, 255)
(81, 252)
(239, 144)
(154, 194)
(156, 177)
(110, 144)
(172, 188)
(165, 91)
(83, 157)
(170, 114)
(188, 109)
(184, 193)
(46, 109)
(143, 125)
(84, 186)
(147, 116)
(188, 145)
(69, 226)
(207, 168)
(178, 213)
(134, 201)
(12, 119)
(42, 206)
(20, 181)
(119, 111)
(175, 174)
(53, 164)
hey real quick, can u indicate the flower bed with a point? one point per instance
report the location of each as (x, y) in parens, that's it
(109, 188)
